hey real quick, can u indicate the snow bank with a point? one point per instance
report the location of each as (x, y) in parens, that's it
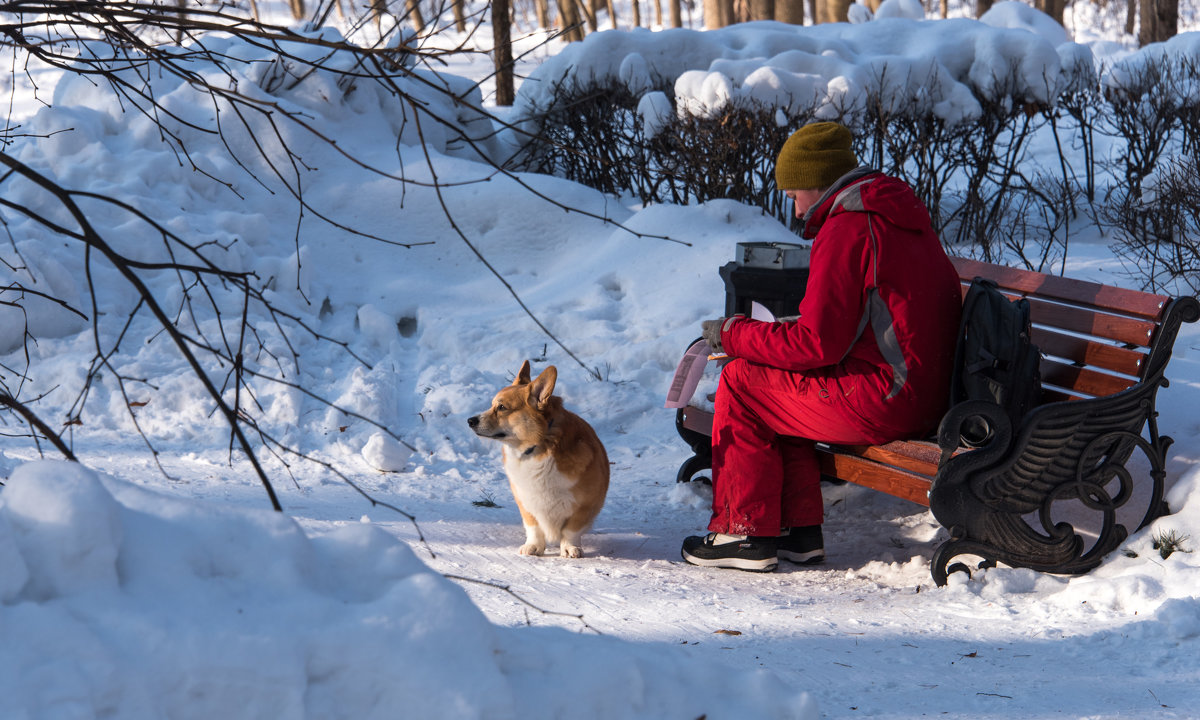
(121, 602)
(116, 601)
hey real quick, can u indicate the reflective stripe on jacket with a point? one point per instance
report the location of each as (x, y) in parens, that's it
(878, 322)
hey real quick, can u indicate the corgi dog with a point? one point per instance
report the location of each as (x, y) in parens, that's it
(556, 466)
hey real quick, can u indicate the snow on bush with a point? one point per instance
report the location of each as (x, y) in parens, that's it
(832, 69)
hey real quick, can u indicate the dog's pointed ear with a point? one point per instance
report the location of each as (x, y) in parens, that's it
(543, 387)
(522, 374)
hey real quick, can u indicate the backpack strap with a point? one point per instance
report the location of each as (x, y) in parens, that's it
(960, 346)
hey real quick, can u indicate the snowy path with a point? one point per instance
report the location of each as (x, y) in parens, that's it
(867, 632)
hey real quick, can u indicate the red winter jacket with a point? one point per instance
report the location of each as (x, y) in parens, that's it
(880, 316)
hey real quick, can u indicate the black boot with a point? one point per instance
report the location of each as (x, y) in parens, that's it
(803, 545)
(741, 552)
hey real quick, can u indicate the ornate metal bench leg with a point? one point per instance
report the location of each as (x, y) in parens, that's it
(1020, 529)
(701, 446)
(691, 466)
(942, 567)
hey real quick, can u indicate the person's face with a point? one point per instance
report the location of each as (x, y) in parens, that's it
(803, 199)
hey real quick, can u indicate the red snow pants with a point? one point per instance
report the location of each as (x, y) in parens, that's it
(763, 482)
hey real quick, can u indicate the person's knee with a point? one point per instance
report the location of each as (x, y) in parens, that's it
(735, 393)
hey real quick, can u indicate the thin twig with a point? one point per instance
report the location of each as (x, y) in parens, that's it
(508, 589)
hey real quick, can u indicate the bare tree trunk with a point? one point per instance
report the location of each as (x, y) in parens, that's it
(1131, 16)
(718, 14)
(460, 18)
(568, 14)
(762, 9)
(721, 13)
(612, 14)
(981, 7)
(673, 10)
(1160, 21)
(829, 11)
(378, 7)
(588, 15)
(414, 14)
(596, 6)
(182, 5)
(502, 52)
(297, 8)
(790, 11)
(945, 8)
(637, 12)
(1053, 8)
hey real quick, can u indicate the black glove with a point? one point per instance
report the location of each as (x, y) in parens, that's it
(711, 331)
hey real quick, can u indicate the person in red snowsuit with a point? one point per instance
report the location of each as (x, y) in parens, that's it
(867, 361)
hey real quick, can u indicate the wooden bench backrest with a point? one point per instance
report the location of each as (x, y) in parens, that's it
(1094, 338)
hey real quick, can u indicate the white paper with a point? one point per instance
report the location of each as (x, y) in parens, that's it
(758, 311)
(687, 374)
(691, 366)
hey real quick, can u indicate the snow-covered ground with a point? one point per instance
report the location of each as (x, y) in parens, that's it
(125, 593)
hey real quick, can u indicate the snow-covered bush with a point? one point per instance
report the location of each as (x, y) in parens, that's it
(1153, 102)
(978, 115)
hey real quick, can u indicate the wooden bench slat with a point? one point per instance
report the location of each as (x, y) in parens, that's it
(1082, 380)
(1089, 352)
(1087, 322)
(891, 480)
(917, 456)
(696, 420)
(1082, 292)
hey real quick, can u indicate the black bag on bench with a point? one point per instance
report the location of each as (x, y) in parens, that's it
(995, 359)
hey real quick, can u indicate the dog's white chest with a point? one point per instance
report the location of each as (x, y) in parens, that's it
(542, 488)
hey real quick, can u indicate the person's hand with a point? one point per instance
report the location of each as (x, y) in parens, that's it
(711, 331)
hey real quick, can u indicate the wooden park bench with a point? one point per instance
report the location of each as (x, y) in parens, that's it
(1104, 350)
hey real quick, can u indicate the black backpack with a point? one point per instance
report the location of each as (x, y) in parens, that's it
(996, 359)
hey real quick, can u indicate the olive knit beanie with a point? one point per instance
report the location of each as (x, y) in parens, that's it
(814, 157)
